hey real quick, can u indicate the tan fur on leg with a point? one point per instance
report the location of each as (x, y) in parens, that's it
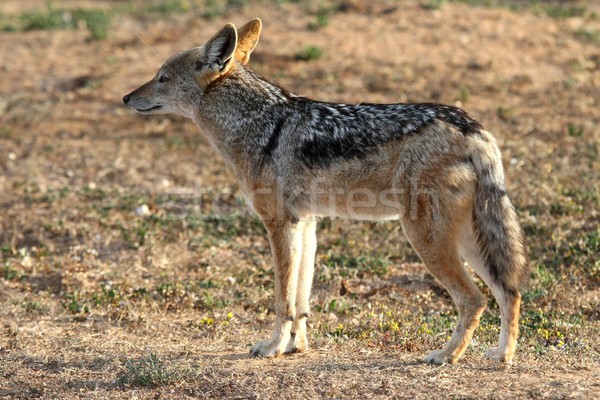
(299, 341)
(509, 304)
(286, 237)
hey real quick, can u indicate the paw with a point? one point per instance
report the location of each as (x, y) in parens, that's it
(497, 354)
(439, 357)
(297, 344)
(267, 348)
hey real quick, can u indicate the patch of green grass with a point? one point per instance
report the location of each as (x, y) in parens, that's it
(309, 53)
(385, 327)
(570, 82)
(6, 251)
(7, 24)
(8, 272)
(135, 234)
(582, 193)
(464, 94)
(208, 302)
(6, 132)
(585, 252)
(563, 11)
(229, 227)
(92, 192)
(576, 254)
(351, 266)
(575, 130)
(170, 290)
(45, 20)
(555, 9)
(214, 8)
(437, 324)
(216, 218)
(545, 278)
(565, 206)
(33, 194)
(209, 284)
(148, 371)
(96, 21)
(505, 113)
(32, 307)
(175, 142)
(321, 18)
(111, 297)
(208, 9)
(75, 304)
(531, 296)
(338, 307)
(107, 296)
(139, 293)
(478, 3)
(551, 329)
(541, 330)
(588, 35)
(434, 4)
(169, 6)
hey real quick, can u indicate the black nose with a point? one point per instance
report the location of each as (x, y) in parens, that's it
(126, 99)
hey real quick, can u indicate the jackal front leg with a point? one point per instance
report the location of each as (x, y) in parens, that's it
(299, 340)
(285, 236)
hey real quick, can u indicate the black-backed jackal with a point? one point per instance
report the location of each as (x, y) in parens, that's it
(430, 166)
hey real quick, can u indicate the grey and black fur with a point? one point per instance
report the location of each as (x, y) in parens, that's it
(430, 166)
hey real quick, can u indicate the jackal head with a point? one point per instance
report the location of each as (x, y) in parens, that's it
(183, 79)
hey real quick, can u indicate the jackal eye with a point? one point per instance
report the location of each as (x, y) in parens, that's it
(162, 79)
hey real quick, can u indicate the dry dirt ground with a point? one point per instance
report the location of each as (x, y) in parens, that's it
(130, 268)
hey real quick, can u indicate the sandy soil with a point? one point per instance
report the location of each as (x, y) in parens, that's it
(76, 164)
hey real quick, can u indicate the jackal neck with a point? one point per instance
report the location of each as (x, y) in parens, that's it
(238, 114)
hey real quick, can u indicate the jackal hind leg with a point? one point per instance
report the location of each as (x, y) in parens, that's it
(510, 304)
(298, 340)
(509, 301)
(285, 236)
(435, 243)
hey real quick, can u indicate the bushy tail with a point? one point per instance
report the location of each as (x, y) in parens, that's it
(497, 230)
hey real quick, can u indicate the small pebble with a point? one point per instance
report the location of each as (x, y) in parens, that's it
(142, 211)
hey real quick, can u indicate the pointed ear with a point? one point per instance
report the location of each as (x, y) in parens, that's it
(220, 49)
(247, 39)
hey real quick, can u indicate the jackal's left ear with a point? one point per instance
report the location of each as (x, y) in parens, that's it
(247, 39)
(220, 49)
